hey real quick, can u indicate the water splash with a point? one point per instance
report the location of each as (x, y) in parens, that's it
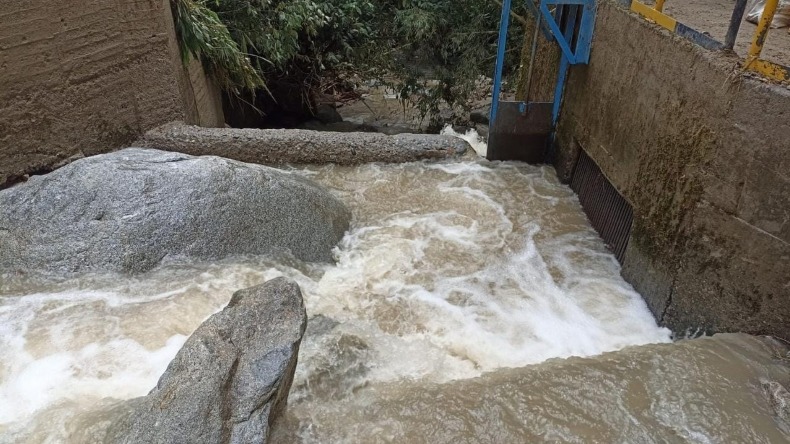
(477, 142)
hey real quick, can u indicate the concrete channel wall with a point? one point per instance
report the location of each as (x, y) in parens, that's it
(702, 153)
(80, 77)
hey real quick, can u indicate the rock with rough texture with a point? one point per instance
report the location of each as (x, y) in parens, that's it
(128, 210)
(480, 115)
(230, 381)
(281, 146)
(326, 113)
(778, 398)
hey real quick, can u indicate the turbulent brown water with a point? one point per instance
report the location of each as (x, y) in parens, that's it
(451, 273)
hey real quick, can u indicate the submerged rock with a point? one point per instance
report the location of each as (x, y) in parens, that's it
(700, 390)
(128, 210)
(779, 398)
(339, 363)
(281, 146)
(230, 381)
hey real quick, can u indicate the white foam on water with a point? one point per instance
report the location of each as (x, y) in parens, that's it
(478, 143)
(450, 270)
(509, 312)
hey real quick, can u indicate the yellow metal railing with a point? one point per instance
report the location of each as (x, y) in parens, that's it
(762, 30)
(752, 63)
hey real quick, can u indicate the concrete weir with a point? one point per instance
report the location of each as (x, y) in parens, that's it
(696, 149)
(293, 146)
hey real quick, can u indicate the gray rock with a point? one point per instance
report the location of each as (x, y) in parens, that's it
(230, 381)
(778, 398)
(326, 113)
(313, 125)
(338, 370)
(339, 127)
(350, 127)
(279, 146)
(346, 126)
(126, 211)
(320, 325)
(482, 130)
(480, 115)
(395, 129)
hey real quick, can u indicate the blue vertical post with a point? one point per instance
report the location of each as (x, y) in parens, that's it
(570, 25)
(500, 59)
(558, 89)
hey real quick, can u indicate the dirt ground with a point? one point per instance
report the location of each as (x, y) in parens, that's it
(713, 17)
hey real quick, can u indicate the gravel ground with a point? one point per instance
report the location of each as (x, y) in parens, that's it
(713, 17)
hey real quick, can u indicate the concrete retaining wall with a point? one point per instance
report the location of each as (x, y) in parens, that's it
(78, 77)
(703, 155)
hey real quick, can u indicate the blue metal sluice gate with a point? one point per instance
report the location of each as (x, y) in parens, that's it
(522, 130)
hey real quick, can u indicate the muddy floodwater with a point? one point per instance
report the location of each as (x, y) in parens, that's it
(453, 277)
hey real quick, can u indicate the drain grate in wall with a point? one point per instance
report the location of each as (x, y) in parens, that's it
(609, 213)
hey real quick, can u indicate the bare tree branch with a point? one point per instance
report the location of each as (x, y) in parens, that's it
(518, 18)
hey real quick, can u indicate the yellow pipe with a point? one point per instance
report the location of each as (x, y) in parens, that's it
(762, 31)
(659, 5)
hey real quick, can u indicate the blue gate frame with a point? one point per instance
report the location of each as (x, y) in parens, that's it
(580, 54)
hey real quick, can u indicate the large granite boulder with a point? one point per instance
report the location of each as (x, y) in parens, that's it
(128, 210)
(230, 381)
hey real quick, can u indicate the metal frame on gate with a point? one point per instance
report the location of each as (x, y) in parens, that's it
(585, 32)
(573, 53)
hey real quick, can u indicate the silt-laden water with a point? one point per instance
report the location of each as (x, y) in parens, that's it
(450, 271)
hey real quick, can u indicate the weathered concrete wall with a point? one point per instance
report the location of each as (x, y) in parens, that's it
(79, 77)
(201, 96)
(703, 155)
(536, 81)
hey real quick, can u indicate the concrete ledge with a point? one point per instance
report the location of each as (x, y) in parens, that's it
(279, 146)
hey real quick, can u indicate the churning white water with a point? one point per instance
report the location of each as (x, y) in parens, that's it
(450, 270)
(475, 140)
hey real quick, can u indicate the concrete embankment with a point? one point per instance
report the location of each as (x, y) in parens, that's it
(279, 146)
(701, 153)
(83, 78)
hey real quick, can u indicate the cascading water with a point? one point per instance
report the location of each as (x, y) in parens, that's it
(450, 270)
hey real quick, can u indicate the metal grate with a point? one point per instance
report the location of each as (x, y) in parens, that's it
(609, 213)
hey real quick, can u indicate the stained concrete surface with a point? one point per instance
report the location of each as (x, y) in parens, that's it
(701, 153)
(82, 77)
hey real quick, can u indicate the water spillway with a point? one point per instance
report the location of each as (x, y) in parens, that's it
(451, 273)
